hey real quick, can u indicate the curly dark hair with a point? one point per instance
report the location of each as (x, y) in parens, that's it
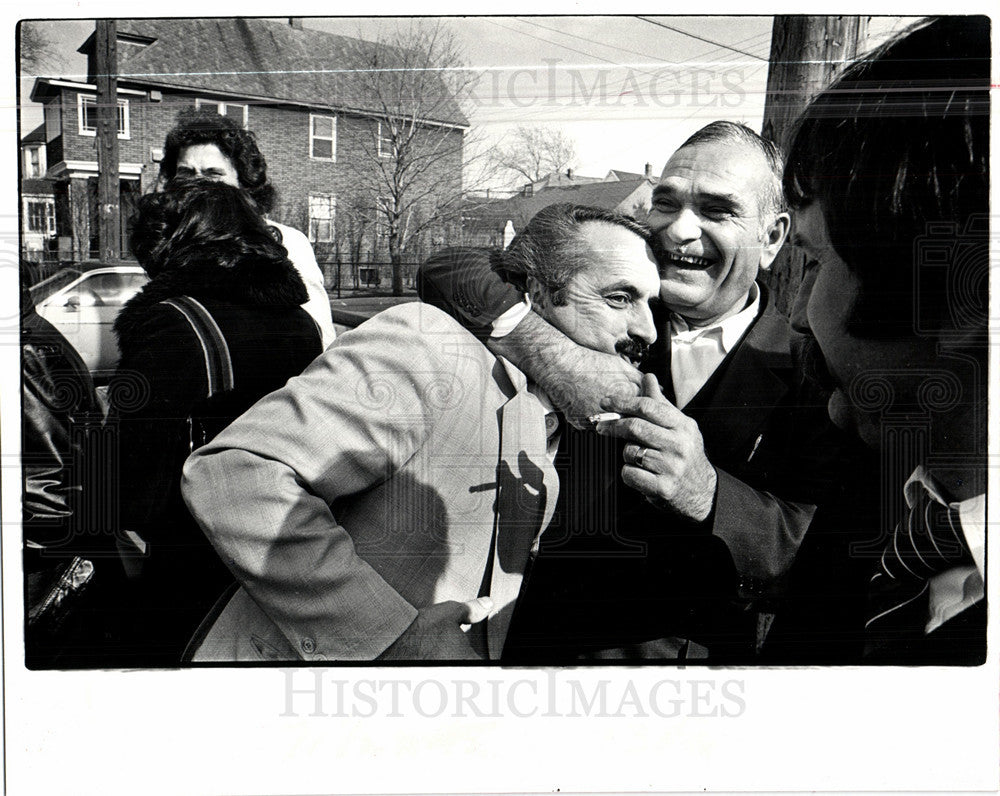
(205, 126)
(549, 247)
(200, 221)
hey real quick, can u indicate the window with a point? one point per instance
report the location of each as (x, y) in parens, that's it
(237, 111)
(322, 212)
(384, 140)
(41, 216)
(53, 120)
(33, 162)
(87, 115)
(322, 137)
(112, 289)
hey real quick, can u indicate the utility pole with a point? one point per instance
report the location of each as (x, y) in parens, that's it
(108, 192)
(807, 53)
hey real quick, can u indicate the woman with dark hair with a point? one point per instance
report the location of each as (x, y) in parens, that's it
(219, 326)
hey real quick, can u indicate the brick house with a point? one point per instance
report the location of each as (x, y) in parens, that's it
(303, 93)
(493, 223)
(38, 200)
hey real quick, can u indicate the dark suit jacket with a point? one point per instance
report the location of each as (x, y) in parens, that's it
(623, 572)
(824, 608)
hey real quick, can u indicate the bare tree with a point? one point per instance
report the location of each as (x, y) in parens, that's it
(38, 51)
(411, 158)
(532, 152)
(355, 219)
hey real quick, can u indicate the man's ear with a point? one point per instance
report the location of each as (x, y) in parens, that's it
(774, 239)
(537, 292)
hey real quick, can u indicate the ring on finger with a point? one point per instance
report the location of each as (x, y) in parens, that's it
(640, 456)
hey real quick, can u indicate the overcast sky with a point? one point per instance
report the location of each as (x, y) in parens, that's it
(628, 90)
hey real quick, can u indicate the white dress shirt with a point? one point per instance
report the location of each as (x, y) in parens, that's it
(956, 589)
(507, 320)
(696, 352)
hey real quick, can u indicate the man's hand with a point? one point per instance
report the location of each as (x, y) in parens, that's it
(436, 633)
(573, 377)
(665, 458)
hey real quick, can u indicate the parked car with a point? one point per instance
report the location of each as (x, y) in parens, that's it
(83, 306)
(351, 312)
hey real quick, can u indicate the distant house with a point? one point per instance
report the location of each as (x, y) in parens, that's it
(558, 179)
(617, 175)
(298, 90)
(492, 223)
(38, 200)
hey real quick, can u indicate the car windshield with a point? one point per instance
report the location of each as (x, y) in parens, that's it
(52, 284)
(108, 289)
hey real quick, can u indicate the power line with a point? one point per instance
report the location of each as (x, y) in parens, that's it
(759, 38)
(589, 41)
(553, 43)
(643, 86)
(700, 38)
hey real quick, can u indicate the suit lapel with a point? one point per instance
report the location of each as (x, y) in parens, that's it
(527, 492)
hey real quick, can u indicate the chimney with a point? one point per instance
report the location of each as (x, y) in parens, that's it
(295, 23)
(569, 173)
(649, 171)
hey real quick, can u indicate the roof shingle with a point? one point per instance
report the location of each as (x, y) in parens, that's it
(264, 60)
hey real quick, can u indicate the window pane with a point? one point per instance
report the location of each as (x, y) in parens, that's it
(115, 289)
(323, 126)
(36, 217)
(321, 230)
(89, 114)
(322, 148)
(236, 111)
(121, 117)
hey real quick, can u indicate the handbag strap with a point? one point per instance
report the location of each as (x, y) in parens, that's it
(218, 362)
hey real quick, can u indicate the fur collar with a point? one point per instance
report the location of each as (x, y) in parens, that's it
(255, 283)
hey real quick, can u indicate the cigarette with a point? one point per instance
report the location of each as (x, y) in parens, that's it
(604, 417)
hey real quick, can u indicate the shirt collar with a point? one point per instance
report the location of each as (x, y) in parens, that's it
(729, 331)
(971, 512)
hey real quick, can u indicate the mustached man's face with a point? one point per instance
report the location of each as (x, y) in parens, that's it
(607, 301)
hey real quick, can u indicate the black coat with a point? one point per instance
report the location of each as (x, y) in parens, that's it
(160, 412)
(58, 400)
(61, 416)
(615, 573)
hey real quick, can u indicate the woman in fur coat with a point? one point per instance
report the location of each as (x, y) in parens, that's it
(173, 392)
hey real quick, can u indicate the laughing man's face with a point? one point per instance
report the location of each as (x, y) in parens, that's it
(713, 228)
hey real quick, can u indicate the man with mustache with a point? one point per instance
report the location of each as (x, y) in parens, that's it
(726, 457)
(397, 488)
